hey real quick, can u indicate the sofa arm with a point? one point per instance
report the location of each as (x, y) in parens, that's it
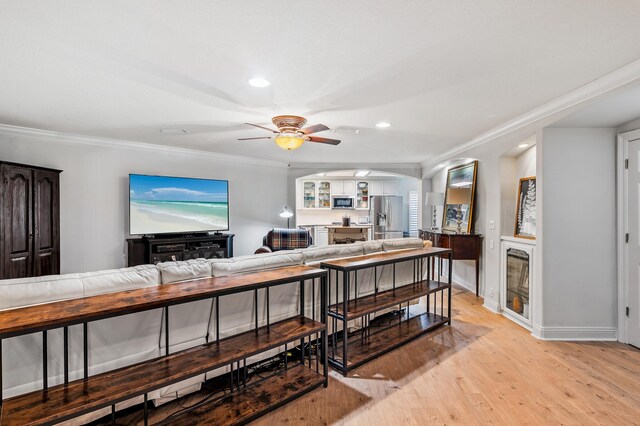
(263, 249)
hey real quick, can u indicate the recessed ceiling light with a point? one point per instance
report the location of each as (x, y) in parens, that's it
(362, 173)
(259, 82)
(441, 165)
(383, 124)
(320, 174)
(523, 145)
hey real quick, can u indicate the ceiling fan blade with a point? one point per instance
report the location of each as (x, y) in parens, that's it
(250, 139)
(324, 140)
(262, 127)
(314, 129)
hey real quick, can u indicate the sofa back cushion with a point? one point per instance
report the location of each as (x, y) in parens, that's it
(20, 292)
(372, 246)
(124, 340)
(251, 263)
(287, 239)
(114, 280)
(334, 251)
(171, 272)
(401, 243)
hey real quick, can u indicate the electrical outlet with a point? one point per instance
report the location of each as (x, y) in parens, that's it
(492, 225)
(491, 291)
(491, 244)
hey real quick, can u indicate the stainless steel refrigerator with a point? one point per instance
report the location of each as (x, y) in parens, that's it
(385, 214)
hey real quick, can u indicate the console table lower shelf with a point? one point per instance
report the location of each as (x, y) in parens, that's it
(372, 338)
(250, 403)
(365, 345)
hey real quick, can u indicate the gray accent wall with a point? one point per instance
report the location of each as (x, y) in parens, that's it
(579, 228)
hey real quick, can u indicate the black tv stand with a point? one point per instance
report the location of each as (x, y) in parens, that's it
(165, 248)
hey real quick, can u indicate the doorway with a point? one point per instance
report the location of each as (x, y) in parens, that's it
(629, 238)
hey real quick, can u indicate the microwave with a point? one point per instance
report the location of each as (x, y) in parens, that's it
(343, 202)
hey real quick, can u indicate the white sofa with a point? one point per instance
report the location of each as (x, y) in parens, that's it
(121, 341)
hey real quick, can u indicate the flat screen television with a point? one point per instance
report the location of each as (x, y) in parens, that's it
(177, 205)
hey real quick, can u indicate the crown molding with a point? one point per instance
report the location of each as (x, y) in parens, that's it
(74, 138)
(619, 78)
(355, 165)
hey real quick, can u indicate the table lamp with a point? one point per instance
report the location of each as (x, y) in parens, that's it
(459, 197)
(434, 199)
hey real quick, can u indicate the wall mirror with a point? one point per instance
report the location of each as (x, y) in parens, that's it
(459, 198)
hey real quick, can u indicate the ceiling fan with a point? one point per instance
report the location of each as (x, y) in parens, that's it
(290, 134)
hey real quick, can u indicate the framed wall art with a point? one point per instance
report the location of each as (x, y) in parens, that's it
(459, 199)
(526, 209)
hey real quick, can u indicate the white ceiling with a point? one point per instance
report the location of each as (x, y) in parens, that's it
(441, 72)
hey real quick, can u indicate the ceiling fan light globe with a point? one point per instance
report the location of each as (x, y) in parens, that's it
(289, 141)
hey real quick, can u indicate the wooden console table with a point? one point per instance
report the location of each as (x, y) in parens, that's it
(350, 351)
(463, 247)
(241, 404)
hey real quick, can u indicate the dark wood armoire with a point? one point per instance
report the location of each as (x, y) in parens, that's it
(29, 221)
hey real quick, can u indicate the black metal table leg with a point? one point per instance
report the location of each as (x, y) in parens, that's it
(45, 358)
(85, 344)
(345, 332)
(268, 309)
(323, 313)
(449, 314)
(65, 353)
(166, 330)
(146, 410)
(1, 388)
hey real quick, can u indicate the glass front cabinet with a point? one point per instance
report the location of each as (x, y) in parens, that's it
(316, 194)
(324, 195)
(516, 281)
(309, 195)
(362, 195)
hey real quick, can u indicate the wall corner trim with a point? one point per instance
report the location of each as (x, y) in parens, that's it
(492, 305)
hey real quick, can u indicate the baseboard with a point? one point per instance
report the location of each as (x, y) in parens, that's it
(576, 333)
(465, 284)
(492, 305)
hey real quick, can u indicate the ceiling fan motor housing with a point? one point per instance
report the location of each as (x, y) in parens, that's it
(289, 123)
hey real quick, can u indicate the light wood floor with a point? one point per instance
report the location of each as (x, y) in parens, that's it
(482, 370)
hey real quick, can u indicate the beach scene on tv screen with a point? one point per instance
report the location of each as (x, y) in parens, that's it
(161, 204)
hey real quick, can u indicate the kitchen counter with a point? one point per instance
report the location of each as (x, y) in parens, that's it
(346, 227)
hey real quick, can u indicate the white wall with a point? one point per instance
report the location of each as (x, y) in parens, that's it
(579, 246)
(94, 193)
(512, 169)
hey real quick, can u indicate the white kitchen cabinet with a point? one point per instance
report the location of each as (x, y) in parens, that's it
(343, 187)
(316, 194)
(390, 188)
(309, 194)
(322, 236)
(383, 187)
(362, 195)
